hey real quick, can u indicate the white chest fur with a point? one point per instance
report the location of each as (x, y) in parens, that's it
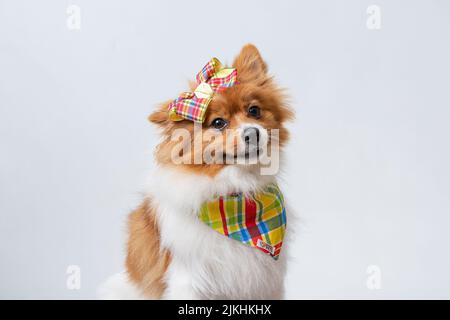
(205, 264)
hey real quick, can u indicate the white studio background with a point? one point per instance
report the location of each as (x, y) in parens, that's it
(368, 169)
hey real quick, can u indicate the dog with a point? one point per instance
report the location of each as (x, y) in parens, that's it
(178, 248)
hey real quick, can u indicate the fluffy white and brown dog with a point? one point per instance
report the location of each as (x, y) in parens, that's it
(213, 229)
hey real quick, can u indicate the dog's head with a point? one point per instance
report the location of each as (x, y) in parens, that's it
(242, 123)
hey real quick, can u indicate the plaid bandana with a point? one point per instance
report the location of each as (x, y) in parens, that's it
(257, 220)
(192, 105)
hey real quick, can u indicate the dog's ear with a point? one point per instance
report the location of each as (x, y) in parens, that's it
(250, 65)
(160, 116)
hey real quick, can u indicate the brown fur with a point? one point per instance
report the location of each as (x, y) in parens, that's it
(146, 262)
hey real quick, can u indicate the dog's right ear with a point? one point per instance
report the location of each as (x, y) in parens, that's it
(160, 116)
(250, 65)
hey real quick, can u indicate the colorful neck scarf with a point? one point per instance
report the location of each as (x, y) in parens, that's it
(257, 220)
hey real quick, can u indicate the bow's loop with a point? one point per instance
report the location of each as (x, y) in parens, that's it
(223, 79)
(188, 106)
(208, 70)
(192, 105)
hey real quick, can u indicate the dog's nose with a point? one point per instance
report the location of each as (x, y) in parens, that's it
(251, 135)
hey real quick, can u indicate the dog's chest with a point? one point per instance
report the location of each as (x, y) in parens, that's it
(216, 266)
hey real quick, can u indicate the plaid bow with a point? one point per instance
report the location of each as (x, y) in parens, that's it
(257, 220)
(192, 105)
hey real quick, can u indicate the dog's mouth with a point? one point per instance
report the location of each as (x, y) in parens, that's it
(248, 154)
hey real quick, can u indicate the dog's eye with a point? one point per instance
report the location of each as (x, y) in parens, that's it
(219, 123)
(254, 112)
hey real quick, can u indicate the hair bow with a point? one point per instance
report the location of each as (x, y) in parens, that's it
(192, 105)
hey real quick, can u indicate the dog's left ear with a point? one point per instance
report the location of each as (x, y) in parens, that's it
(250, 65)
(160, 116)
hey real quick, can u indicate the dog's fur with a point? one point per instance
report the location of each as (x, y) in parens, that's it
(171, 253)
